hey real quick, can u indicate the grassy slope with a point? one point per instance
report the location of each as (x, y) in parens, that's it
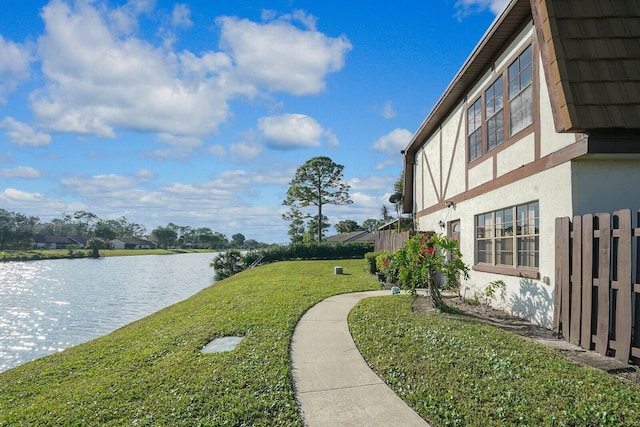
(455, 371)
(152, 372)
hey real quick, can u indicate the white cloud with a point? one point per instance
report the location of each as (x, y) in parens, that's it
(393, 142)
(290, 131)
(243, 152)
(14, 67)
(145, 174)
(281, 56)
(387, 111)
(100, 79)
(217, 150)
(96, 185)
(20, 172)
(11, 196)
(181, 16)
(22, 134)
(374, 182)
(469, 7)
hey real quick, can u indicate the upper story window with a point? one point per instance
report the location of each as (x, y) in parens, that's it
(495, 118)
(474, 129)
(504, 108)
(520, 92)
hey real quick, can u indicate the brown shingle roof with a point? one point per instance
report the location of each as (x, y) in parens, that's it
(591, 53)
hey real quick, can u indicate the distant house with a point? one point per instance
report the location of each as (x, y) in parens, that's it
(48, 241)
(354, 236)
(79, 241)
(132, 243)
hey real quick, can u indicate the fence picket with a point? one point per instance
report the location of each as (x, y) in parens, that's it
(576, 281)
(587, 281)
(622, 284)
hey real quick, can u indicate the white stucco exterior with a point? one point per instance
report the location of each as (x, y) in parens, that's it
(536, 164)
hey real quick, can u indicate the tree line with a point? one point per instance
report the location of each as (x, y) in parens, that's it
(17, 232)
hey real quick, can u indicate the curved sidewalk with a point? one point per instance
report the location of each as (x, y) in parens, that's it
(334, 386)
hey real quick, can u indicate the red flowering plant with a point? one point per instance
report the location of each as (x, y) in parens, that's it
(427, 257)
(386, 264)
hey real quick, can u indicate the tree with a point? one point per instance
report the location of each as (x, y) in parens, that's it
(372, 224)
(347, 226)
(16, 230)
(165, 236)
(238, 240)
(313, 225)
(94, 245)
(386, 216)
(317, 182)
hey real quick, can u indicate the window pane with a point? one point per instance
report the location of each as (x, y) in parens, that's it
(521, 110)
(504, 251)
(485, 251)
(528, 252)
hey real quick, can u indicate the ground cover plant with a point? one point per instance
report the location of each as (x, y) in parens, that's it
(458, 372)
(152, 371)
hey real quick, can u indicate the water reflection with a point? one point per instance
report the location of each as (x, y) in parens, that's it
(47, 306)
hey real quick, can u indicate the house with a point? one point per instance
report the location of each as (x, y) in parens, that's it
(48, 241)
(79, 241)
(542, 121)
(132, 243)
(361, 236)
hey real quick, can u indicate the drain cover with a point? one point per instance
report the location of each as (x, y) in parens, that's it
(222, 344)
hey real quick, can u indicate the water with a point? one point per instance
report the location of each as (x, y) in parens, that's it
(47, 306)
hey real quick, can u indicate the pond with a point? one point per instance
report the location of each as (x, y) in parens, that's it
(50, 305)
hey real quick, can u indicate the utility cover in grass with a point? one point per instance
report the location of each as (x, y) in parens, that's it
(222, 344)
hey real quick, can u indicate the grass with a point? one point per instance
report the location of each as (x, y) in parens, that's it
(152, 371)
(36, 254)
(458, 372)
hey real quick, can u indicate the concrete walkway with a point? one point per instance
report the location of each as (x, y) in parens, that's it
(333, 384)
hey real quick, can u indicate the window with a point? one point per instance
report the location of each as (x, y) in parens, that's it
(474, 129)
(495, 118)
(505, 242)
(520, 93)
(495, 105)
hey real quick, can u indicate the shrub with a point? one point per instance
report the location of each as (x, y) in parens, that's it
(371, 262)
(423, 257)
(298, 251)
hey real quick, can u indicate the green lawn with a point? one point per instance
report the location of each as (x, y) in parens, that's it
(458, 372)
(152, 372)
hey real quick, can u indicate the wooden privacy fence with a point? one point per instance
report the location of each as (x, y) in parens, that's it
(390, 240)
(596, 300)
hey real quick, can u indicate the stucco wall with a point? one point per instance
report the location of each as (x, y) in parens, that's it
(532, 299)
(606, 183)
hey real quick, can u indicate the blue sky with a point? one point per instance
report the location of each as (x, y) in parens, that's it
(199, 113)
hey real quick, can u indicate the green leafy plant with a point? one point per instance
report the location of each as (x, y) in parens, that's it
(491, 288)
(423, 257)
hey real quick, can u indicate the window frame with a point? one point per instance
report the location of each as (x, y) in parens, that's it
(476, 130)
(503, 116)
(505, 236)
(496, 114)
(521, 90)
